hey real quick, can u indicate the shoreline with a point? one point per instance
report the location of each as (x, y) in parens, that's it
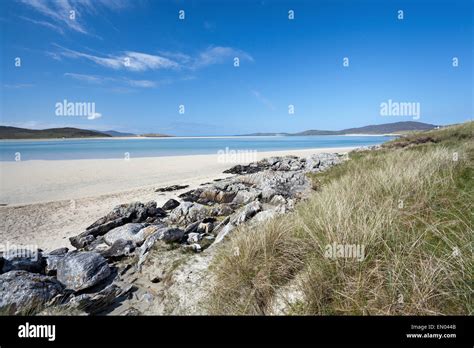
(202, 137)
(56, 180)
(82, 191)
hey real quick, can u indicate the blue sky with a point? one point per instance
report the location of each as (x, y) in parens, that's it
(190, 62)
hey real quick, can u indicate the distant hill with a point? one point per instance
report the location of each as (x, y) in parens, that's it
(51, 133)
(386, 128)
(319, 132)
(113, 133)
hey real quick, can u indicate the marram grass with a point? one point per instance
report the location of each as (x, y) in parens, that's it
(410, 206)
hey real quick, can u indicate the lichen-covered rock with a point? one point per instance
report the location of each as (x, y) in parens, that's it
(93, 231)
(188, 212)
(247, 196)
(122, 214)
(135, 232)
(23, 292)
(321, 161)
(246, 213)
(82, 270)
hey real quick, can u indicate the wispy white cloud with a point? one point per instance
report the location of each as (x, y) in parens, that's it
(85, 78)
(95, 79)
(218, 54)
(138, 61)
(263, 99)
(180, 57)
(142, 61)
(44, 24)
(58, 12)
(128, 60)
(141, 83)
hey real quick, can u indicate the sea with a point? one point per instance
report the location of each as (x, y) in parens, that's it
(118, 148)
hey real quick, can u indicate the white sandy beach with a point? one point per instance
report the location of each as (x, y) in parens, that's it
(50, 201)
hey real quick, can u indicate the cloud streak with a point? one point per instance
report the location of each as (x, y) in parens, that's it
(218, 55)
(44, 24)
(58, 12)
(139, 61)
(99, 80)
(128, 60)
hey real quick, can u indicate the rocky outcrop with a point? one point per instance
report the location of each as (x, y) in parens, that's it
(120, 215)
(142, 259)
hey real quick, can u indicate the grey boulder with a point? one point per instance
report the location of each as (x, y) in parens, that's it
(170, 204)
(131, 231)
(244, 197)
(23, 293)
(188, 212)
(82, 270)
(246, 213)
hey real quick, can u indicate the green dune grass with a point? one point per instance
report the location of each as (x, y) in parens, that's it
(410, 206)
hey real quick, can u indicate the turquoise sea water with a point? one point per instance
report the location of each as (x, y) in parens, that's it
(64, 149)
